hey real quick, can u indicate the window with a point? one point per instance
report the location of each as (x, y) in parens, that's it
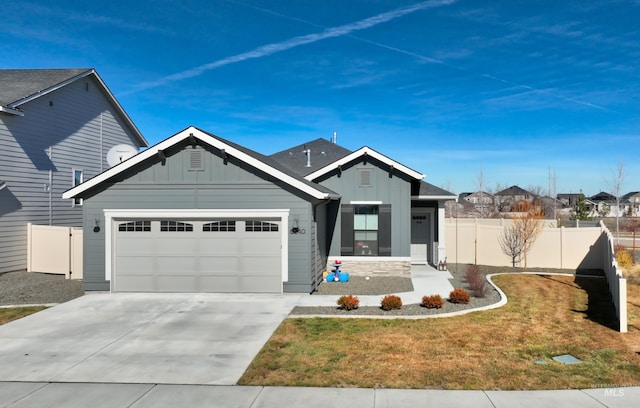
(222, 226)
(77, 179)
(260, 226)
(365, 230)
(170, 226)
(135, 226)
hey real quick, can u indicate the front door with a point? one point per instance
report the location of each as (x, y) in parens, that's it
(420, 234)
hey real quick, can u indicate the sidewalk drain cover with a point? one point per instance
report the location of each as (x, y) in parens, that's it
(567, 359)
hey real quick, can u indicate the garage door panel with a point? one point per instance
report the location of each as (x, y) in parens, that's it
(135, 246)
(219, 246)
(174, 265)
(259, 265)
(199, 260)
(136, 283)
(227, 265)
(230, 284)
(177, 283)
(179, 246)
(135, 265)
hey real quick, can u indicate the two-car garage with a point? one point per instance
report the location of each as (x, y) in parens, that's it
(212, 252)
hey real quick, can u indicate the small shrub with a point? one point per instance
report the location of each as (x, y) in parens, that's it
(623, 256)
(432, 302)
(390, 302)
(459, 296)
(348, 302)
(477, 281)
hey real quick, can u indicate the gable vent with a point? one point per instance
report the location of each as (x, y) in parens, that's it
(196, 160)
(365, 178)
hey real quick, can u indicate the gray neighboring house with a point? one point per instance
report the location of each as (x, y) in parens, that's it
(198, 213)
(56, 126)
(506, 199)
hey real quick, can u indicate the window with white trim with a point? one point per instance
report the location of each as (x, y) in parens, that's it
(365, 229)
(219, 226)
(260, 226)
(174, 226)
(135, 226)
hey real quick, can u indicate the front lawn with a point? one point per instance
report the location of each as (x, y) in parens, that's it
(14, 313)
(546, 316)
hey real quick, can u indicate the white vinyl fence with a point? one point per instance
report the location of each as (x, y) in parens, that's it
(475, 241)
(55, 250)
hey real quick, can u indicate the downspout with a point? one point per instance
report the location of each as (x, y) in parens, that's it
(50, 188)
(101, 158)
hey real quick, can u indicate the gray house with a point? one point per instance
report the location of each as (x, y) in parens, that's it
(198, 213)
(56, 127)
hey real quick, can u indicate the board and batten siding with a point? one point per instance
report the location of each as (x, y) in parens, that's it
(220, 184)
(394, 190)
(70, 128)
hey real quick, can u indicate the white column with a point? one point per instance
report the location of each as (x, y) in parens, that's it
(442, 251)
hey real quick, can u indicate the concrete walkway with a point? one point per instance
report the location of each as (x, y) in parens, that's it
(167, 350)
(81, 395)
(425, 279)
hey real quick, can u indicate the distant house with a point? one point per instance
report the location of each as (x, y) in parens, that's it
(198, 213)
(56, 128)
(482, 203)
(631, 203)
(602, 204)
(569, 199)
(507, 199)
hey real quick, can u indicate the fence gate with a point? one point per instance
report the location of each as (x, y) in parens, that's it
(55, 250)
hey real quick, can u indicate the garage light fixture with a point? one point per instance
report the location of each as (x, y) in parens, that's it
(96, 226)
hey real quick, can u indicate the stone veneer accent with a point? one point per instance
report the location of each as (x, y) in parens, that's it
(369, 268)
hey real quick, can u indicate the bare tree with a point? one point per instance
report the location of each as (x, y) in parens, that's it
(511, 243)
(518, 238)
(615, 184)
(481, 184)
(529, 226)
(633, 225)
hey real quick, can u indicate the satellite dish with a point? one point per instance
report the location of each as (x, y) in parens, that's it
(119, 153)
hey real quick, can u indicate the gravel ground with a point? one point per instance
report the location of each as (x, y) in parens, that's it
(19, 288)
(24, 288)
(378, 286)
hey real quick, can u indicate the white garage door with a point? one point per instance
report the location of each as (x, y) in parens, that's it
(216, 255)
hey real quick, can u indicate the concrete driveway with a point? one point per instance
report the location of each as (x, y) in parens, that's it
(142, 338)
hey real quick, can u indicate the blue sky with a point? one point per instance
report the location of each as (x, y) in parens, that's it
(517, 90)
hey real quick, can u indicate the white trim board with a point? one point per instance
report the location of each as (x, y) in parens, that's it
(211, 141)
(362, 152)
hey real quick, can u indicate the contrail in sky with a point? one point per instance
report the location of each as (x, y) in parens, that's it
(441, 62)
(273, 48)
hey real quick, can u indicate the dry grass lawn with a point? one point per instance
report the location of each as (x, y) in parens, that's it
(546, 316)
(14, 313)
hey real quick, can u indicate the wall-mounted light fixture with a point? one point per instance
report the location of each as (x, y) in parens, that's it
(295, 229)
(96, 226)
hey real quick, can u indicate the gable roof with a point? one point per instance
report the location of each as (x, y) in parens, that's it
(603, 196)
(364, 151)
(248, 156)
(513, 191)
(428, 190)
(311, 156)
(19, 86)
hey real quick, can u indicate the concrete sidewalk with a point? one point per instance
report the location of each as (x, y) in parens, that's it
(71, 395)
